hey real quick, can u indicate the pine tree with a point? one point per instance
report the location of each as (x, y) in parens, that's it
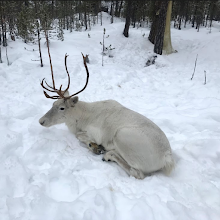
(25, 22)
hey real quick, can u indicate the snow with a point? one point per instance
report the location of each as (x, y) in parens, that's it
(46, 173)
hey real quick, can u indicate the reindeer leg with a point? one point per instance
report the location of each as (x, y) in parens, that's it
(83, 137)
(95, 148)
(115, 157)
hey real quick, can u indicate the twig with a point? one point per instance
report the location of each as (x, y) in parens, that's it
(205, 77)
(194, 67)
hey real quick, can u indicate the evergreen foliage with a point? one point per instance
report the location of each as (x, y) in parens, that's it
(25, 21)
(18, 18)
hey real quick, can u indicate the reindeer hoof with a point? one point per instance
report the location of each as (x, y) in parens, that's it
(137, 173)
(96, 149)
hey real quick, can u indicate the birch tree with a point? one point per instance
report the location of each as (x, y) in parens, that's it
(167, 45)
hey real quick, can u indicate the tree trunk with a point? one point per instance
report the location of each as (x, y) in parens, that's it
(0, 37)
(159, 39)
(3, 24)
(85, 17)
(180, 20)
(194, 16)
(186, 14)
(167, 46)
(112, 11)
(4, 39)
(11, 28)
(116, 8)
(101, 17)
(79, 10)
(120, 7)
(213, 6)
(207, 16)
(134, 9)
(0, 54)
(128, 18)
(38, 34)
(154, 24)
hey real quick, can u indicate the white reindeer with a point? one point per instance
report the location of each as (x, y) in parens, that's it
(130, 139)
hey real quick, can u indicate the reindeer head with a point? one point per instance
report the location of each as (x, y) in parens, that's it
(65, 102)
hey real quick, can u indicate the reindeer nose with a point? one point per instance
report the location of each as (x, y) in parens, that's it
(41, 121)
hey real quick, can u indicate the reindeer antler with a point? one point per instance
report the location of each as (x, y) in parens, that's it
(60, 92)
(87, 78)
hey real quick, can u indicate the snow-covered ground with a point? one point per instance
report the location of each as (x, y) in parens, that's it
(47, 174)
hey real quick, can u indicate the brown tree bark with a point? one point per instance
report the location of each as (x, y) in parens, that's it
(128, 18)
(159, 38)
(154, 24)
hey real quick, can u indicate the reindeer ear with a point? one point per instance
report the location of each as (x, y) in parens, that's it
(73, 100)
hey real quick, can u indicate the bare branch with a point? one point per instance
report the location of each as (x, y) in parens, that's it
(194, 67)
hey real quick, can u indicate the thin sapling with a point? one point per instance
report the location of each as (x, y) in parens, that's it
(194, 67)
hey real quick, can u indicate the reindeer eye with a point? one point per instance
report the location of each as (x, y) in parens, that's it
(62, 108)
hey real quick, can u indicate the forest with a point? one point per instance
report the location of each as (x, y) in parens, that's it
(26, 19)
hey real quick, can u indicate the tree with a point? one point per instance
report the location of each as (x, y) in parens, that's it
(3, 19)
(112, 11)
(167, 46)
(128, 18)
(60, 31)
(39, 45)
(155, 17)
(18, 18)
(160, 29)
(159, 38)
(212, 12)
(25, 21)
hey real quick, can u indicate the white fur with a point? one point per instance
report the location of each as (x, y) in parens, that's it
(133, 141)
